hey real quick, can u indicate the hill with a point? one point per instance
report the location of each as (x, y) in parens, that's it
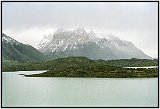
(81, 67)
(13, 50)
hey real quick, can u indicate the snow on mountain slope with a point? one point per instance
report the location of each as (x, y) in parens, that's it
(13, 50)
(8, 39)
(44, 41)
(61, 40)
(78, 42)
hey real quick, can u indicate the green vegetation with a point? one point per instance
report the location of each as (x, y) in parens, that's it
(84, 67)
(99, 71)
(133, 62)
(74, 61)
(57, 63)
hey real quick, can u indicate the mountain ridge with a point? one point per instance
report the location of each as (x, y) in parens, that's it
(78, 42)
(13, 50)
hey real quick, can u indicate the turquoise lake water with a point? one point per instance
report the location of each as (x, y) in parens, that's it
(18, 90)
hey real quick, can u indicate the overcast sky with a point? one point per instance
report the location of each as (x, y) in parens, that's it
(135, 22)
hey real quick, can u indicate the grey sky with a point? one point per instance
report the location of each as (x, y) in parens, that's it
(135, 22)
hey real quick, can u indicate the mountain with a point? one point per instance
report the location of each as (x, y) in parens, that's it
(78, 42)
(13, 50)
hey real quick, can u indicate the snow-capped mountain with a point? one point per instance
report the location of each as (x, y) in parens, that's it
(13, 50)
(78, 42)
(10, 40)
(64, 39)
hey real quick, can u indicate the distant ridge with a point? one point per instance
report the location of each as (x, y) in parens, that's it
(78, 42)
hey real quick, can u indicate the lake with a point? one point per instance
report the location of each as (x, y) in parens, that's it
(18, 90)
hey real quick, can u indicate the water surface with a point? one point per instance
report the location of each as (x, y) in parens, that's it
(18, 90)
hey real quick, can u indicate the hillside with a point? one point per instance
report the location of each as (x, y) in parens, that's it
(133, 62)
(13, 50)
(75, 61)
(81, 67)
(84, 67)
(56, 63)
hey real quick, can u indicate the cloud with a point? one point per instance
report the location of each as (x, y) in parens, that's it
(136, 22)
(30, 36)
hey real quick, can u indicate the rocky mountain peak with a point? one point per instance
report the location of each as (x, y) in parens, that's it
(78, 42)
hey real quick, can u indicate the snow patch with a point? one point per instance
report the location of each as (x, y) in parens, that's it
(43, 43)
(10, 40)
